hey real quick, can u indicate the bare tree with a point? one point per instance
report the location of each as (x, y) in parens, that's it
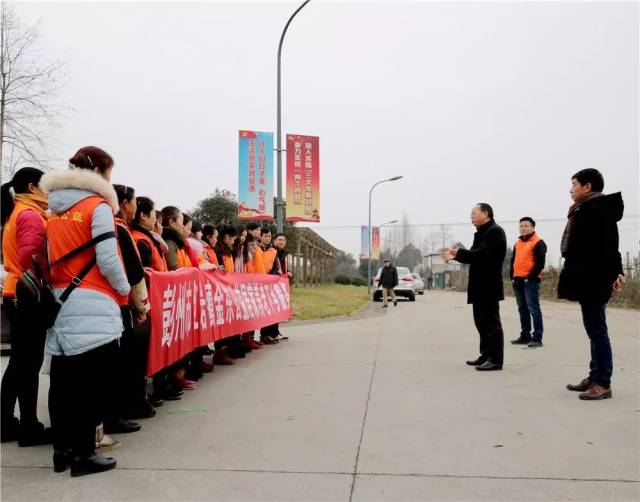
(438, 239)
(407, 232)
(29, 88)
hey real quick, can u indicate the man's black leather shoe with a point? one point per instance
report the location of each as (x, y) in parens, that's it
(476, 362)
(61, 460)
(489, 366)
(81, 466)
(121, 426)
(523, 340)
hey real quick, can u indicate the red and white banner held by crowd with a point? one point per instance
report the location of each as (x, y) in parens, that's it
(195, 308)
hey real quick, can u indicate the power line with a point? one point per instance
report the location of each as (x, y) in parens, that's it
(423, 225)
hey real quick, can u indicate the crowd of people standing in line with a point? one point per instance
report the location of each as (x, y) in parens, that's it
(94, 241)
(591, 273)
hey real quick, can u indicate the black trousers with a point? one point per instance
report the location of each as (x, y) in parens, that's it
(80, 392)
(270, 331)
(134, 349)
(21, 378)
(486, 316)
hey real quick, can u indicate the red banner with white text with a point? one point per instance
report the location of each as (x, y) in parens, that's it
(192, 308)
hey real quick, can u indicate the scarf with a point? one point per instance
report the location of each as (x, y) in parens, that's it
(566, 235)
(36, 202)
(156, 237)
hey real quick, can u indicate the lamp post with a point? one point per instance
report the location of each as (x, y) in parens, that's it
(388, 223)
(279, 203)
(395, 178)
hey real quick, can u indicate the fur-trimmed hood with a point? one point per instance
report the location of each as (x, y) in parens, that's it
(66, 188)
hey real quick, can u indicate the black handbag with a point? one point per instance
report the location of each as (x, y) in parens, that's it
(36, 282)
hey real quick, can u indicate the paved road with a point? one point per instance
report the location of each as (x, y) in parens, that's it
(381, 407)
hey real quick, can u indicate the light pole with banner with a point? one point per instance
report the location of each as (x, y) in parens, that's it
(395, 178)
(279, 202)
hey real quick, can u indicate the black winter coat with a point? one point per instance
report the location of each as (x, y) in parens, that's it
(485, 258)
(592, 260)
(389, 277)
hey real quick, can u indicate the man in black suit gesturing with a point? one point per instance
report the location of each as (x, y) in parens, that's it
(486, 288)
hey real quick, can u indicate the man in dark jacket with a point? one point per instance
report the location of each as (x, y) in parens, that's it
(279, 267)
(388, 281)
(527, 263)
(592, 271)
(485, 289)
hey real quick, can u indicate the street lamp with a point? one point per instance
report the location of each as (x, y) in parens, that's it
(279, 203)
(387, 223)
(395, 178)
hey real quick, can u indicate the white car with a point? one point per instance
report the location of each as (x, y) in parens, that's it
(419, 283)
(406, 285)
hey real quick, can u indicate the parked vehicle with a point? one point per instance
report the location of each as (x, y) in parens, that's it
(419, 283)
(405, 288)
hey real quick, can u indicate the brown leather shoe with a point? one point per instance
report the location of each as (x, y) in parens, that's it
(249, 342)
(206, 367)
(596, 392)
(581, 387)
(221, 358)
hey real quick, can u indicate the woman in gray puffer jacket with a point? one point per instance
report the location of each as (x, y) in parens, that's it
(84, 339)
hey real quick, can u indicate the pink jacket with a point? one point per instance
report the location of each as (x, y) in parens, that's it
(30, 234)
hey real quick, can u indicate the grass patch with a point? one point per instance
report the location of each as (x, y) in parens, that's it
(327, 301)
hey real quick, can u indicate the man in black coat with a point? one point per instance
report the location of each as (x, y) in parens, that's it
(388, 281)
(592, 271)
(486, 288)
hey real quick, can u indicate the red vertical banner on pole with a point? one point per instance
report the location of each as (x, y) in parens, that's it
(375, 243)
(303, 178)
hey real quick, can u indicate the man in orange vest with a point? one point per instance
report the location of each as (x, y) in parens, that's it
(527, 263)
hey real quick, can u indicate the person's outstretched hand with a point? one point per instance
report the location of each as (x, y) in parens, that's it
(449, 254)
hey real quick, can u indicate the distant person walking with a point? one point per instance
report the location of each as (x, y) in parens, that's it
(485, 289)
(388, 281)
(592, 271)
(527, 263)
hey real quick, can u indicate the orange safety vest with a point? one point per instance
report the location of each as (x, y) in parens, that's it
(158, 262)
(210, 254)
(68, 231)
(10, 249)
(183, 258)
(258, 261)
(227, 260)
(248, 267)
(269, 257)
(525, 259)
(124, 225)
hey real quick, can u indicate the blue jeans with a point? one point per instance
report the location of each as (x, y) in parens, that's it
(595, 323)
(528, 299)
